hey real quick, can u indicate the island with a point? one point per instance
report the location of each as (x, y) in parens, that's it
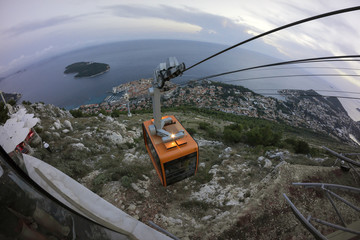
(87, 69)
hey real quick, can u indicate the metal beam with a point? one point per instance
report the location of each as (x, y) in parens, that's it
(328, 185)
(336, 226)
(343, 200)
(336, 210)
(342, 157)
(304, 221)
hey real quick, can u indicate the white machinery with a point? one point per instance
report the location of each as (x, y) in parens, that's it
(164, 72)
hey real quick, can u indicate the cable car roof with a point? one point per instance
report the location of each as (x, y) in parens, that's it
(179, 147)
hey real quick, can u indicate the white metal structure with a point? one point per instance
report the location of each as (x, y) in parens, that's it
(163, 73)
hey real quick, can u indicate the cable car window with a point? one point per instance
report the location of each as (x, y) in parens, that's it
(180, 168)
(153, 152)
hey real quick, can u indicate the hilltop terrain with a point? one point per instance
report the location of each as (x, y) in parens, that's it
(237, 192)
(304, 109)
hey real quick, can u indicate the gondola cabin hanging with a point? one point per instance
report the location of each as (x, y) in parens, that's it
(173, 152)
(176, 158)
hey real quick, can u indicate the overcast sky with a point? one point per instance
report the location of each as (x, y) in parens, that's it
(30, 30)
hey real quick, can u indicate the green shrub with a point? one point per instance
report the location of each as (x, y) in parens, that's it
(204, 126)
(302, 147)
(196, 204)
(203, 176)
(231, 136)
(104, 112)
(12, 102)
(263, 136)
(108, 162)
(74, 169)
(315, 152)
(76, 113)
(101, 179)
(125, 181)
(212, 133)
(38, 130)
(233, 133)
(191, 131)
(115, 113)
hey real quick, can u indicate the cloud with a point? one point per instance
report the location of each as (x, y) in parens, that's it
(23, 59)
(219, 28)
(41, 24)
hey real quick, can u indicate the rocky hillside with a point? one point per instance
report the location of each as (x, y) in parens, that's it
(306, 109)
(236, 194)
(321, 113)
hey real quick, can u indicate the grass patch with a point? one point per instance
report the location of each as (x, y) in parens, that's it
(74, 169)
(203, 176)
(196, 205)
(125, 173)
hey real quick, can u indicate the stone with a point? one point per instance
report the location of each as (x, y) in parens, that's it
(87, 134)
(228, 150)
(56, 134)
(206, 218)
(114, 137)
(222, 215)
(79, 146)
(57, 124)
(319, 160)
(68, 125)
(131, 207)
(268, 163)
(65, 130)
(109, 119)
(203, 142)
(129, 158)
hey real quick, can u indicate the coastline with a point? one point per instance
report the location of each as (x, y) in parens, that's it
(95, 74)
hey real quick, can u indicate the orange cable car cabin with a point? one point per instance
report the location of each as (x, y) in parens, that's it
(174, 160)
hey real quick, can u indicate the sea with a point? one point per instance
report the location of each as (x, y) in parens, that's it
(46, 82)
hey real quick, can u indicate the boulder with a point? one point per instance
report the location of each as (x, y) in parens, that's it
(68, 125)
(79, 146)
(57, 124)
(228, 150)
(268, 163)
(109, 119)
(56, 134)
(114, 137)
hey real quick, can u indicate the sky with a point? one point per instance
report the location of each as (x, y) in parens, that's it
(36, 29)
(31, 30)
